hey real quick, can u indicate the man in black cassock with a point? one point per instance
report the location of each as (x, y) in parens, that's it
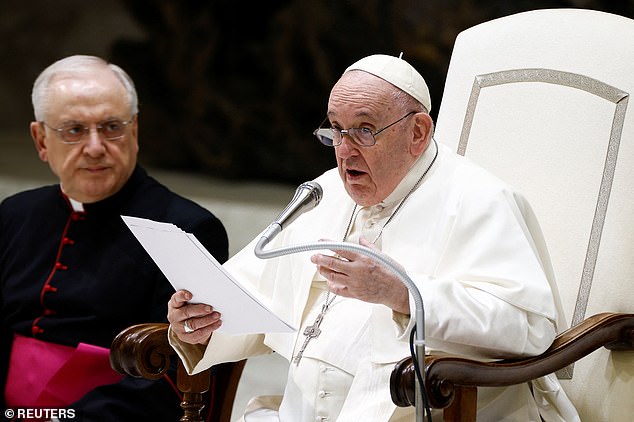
(72, 275)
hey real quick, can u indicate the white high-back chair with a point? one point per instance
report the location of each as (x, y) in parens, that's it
(541, 100)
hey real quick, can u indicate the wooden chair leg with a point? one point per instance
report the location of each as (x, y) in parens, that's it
(464, 405)
(193, 388)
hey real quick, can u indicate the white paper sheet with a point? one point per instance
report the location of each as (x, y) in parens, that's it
(188, 265)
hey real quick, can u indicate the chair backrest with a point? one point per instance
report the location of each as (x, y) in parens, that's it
(541, 99)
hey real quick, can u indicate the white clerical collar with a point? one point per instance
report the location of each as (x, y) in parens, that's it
(74, 204)
(77, 206)
(420, 166)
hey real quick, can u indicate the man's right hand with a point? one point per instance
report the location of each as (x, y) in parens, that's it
(201, 319)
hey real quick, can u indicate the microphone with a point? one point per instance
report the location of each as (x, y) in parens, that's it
(307, 197)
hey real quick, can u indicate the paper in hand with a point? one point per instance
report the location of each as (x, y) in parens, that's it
(188, 265)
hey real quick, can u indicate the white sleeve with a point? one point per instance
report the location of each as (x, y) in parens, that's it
(489, 296)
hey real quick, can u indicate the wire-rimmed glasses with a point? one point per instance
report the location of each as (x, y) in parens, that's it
(365, 137)
(73, 133)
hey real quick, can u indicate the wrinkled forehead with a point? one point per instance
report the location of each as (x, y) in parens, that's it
(86, 79)
(89, 78)
(86, 96)
(359, 88)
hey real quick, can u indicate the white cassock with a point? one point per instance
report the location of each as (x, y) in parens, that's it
(474, 249)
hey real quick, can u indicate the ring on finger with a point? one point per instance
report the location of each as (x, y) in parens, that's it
(187, 328)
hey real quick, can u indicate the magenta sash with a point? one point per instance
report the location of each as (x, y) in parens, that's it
(43, 374)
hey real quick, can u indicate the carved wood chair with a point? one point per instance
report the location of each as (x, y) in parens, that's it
(143, 351)
(541, 100)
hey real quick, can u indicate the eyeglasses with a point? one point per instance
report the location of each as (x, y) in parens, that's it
(365, 137)
(73, 133)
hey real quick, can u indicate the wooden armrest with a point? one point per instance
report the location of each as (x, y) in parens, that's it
(142, 351)
(443, 375)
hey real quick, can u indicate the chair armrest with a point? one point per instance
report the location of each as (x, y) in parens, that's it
(142, 350)
(443, 375)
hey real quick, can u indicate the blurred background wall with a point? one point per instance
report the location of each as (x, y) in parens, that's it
(234, 89)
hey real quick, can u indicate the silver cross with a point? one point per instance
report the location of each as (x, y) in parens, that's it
(311, 332)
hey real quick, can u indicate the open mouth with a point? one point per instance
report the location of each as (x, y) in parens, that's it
(355, 173)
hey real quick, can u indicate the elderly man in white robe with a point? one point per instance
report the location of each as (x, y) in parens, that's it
(469, 242)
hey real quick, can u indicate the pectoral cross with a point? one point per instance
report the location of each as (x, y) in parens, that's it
(311, 332)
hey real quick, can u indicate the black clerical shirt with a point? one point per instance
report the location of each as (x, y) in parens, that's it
(68, 277)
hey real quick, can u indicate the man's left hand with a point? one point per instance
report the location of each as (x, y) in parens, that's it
(350, 274)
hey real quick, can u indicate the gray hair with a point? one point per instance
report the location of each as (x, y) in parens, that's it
(407, 102)
(77, 64)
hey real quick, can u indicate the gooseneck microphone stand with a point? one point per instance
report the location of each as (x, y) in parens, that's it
(419, 341)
